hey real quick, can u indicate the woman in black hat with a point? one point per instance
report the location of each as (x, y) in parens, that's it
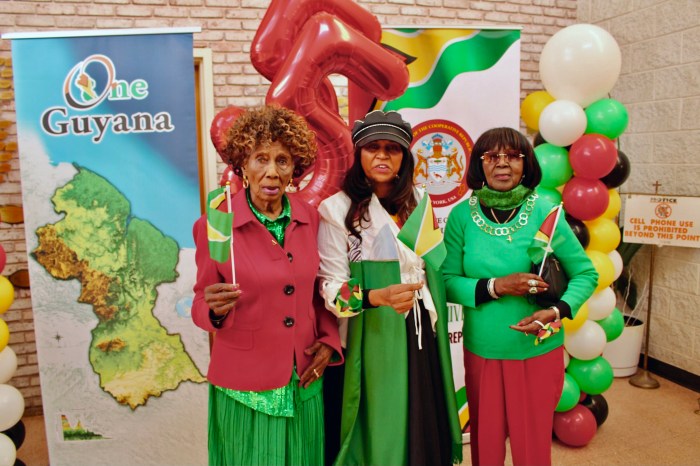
(398, 392)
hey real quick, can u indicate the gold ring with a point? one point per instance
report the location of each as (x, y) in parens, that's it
(316, 374)
(533, 290)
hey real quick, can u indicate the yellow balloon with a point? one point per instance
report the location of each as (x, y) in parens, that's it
(7, 294)
(4, 334)
(532, 107)
(604, 266)
(571, 325)
(604, 235)
(613, 205)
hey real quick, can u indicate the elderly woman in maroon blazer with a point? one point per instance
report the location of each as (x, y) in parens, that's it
(272, 337)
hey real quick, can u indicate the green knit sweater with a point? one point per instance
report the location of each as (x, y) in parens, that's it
(473, 254)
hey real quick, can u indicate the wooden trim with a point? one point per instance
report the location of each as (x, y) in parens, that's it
(204, 114)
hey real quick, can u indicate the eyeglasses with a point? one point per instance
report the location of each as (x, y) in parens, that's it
(494, 156)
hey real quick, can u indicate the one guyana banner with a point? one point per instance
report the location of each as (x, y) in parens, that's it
(463, 81)
(110, 189)
(219, 226)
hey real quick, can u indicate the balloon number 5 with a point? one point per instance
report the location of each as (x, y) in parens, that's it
(298, 45)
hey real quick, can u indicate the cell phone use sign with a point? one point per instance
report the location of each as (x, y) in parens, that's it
(662, 220)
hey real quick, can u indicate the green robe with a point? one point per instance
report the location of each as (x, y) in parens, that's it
(374, 427)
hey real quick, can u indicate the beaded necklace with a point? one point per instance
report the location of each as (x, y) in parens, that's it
(502, 230)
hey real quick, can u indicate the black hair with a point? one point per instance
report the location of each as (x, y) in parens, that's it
(400, 201)
(503, 138)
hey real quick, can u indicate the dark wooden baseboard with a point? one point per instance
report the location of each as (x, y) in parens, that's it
(674, 374)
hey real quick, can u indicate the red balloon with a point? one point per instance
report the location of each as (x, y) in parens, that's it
(229, 177)
(220, 125)
(284, 20)
(575, 427)
(326, 45)
(592, 156)
(585, 199)
(3, 258)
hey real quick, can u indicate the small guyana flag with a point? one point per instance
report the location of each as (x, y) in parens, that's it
(542, 242)
(422, 235)
(219, 225)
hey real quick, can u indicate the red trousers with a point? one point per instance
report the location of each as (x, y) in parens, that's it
(516, 399)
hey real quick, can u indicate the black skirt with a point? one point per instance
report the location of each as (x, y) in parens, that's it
(428, 425)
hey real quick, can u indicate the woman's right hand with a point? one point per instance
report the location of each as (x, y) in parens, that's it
(221, 297)
(519, 284)
(400, 296)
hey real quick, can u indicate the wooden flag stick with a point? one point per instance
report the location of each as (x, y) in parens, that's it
(230, 243)
(549, 243)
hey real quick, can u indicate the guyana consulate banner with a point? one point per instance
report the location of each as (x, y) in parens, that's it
(463, 81)
(110, 188)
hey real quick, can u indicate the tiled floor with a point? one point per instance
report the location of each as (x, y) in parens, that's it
(644, 427)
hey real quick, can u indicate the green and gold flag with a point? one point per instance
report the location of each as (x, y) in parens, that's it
(219, 226)
(422, 234)
(541, 245)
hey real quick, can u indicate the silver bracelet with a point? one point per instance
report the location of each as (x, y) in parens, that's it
(556, 311)
(491, 288)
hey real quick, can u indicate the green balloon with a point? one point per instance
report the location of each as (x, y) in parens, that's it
(607, 117)
(554, 163)
(569, 395)
(550, 194)
(613, 325)
(593, 377)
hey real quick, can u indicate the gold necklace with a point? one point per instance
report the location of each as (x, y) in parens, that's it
(523, 218)
(512, 212)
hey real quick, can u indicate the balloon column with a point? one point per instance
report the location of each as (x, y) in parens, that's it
(298, 45)
(11, 402)
(582, 168)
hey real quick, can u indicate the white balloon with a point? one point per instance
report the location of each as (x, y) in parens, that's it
(11, 406)
(8, 451)
(562, 122)
(616, 259)
(581, 63)
(8, 364)
(601, 304)
(567, 359)
(587, 342)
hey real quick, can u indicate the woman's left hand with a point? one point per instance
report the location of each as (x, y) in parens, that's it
(528, 324)
(322, 356)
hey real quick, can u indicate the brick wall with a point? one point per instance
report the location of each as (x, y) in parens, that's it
(228, 27)
(659, 86)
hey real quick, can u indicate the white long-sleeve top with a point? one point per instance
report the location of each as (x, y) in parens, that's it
(337, 248)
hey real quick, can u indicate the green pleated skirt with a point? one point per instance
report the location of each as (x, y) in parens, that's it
(241, 436)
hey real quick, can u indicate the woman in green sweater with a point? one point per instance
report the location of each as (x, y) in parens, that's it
(513, 378)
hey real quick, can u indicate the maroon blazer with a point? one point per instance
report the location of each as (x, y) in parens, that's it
(279, 314)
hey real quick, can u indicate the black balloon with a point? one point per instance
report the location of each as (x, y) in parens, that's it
(619, 173)
(538, 140)
(597, 405)
(16, 434)
(19, 462)
(580, 230)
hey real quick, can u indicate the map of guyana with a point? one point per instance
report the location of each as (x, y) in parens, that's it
(119, 261)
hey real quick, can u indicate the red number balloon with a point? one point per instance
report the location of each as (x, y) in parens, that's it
(298, 45)
(301, 42)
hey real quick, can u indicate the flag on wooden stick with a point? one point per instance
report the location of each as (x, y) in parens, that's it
(422, 234)
(219, 225)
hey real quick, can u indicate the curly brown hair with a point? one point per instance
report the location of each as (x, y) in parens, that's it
(267, 124)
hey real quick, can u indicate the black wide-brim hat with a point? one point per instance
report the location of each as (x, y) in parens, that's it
(382, 125)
